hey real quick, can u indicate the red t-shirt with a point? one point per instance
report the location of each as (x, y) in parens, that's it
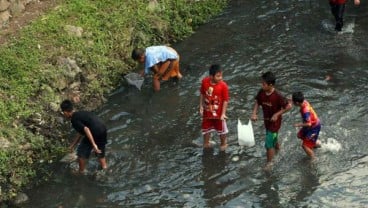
(271, 104)
(214, 96)
(338, 1)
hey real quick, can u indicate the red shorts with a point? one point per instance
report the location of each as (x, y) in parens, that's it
(309, 143)
(218, 125)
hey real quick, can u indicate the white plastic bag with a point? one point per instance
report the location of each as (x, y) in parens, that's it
(245, 134)
(134, 79)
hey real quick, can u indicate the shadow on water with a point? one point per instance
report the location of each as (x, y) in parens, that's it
(154, 151)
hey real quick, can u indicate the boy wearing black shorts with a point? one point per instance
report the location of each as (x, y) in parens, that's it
(92, 134)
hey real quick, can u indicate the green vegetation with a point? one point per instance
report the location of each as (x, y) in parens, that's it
(30, 75)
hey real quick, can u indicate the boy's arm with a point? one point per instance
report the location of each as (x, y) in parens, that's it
(303, 124)
(165, 67)
(254, 116)
(224, 108)
(282, 111)
(155, 68)
(201, 104)
(75, 142)
(91, 139)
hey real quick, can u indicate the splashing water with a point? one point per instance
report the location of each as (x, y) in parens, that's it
(332, 145)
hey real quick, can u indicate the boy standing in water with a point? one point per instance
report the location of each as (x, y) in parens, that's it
(337, 10)
(213, 101)
(163, 61)
(91, 131)
(310, 126)
(273, 106)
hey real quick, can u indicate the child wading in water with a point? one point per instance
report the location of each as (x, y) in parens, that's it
(162, 61)
(91, 134)
(311, 124)
(273, 106)
(213, 101)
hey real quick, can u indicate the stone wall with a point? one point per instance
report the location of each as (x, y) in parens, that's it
(12, 8)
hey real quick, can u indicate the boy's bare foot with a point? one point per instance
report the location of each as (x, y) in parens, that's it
(77, 172)
(207, 146)
(314, 160)
(268, 166)
(223, 147)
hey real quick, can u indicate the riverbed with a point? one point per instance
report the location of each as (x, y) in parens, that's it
(154, 150)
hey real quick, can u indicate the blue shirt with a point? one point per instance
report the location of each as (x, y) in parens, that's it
(157, 54)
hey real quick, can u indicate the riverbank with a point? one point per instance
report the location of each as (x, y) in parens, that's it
(79, 50)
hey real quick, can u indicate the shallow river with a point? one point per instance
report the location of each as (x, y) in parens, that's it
(154, 153)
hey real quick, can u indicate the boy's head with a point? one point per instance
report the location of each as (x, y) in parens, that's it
(138, 54)
(298, 98)
(67, 108)
(269, 78)
(215, 72)
(268, 81)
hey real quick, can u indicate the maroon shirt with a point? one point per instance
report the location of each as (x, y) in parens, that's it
(271, 104)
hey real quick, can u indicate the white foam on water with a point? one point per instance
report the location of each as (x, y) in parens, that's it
(329, 26)
(331, 145)
(348, 28)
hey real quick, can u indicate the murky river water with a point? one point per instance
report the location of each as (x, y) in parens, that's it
(154, 154)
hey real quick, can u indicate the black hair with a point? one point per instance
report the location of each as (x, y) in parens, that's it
(269, 78)
(298, 97)
(137, 53)
(214, 69)
(67, 106)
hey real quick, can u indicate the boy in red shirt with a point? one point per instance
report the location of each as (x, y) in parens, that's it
(213, 101)
(310, 125)
(273, 106)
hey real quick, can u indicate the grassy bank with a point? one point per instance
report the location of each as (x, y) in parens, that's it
(98, 37)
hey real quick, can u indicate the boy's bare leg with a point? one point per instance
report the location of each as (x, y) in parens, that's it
(179, 76)
(82, 164)
(277, 146)
(156, 85)
(223, 145)
(206, 140)
(309, 152)
(270, 154)
(103, 162)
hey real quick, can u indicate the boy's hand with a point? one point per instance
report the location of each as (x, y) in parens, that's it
(96, 149)
(223, 117)
(298, 125)
(274, 117)
(357, 2)
(201, 110)
(254, 117)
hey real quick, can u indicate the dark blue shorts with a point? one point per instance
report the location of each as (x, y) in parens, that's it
(85, 148)
(311, 133)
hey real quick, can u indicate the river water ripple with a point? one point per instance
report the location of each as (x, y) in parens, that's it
(154, 149)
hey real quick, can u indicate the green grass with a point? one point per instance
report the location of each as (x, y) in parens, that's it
(29, 70)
